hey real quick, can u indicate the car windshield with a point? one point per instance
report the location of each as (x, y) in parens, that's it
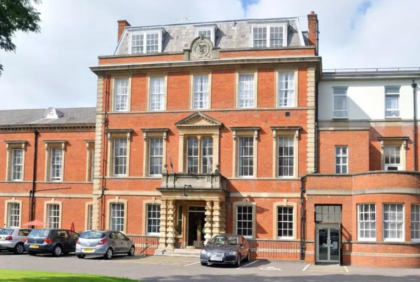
(6, 231)
(92, 235)
(39, 233)
(224, 240)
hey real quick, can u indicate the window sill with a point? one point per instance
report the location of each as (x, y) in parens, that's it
(339, 119)
(393, 118)
(365, 240)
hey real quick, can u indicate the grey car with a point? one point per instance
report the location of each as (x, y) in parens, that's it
(105, 243)
(226, 249)
(13, 239)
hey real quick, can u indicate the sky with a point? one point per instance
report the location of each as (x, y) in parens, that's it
(51, 68)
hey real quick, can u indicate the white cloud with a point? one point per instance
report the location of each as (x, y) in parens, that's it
(52, 68)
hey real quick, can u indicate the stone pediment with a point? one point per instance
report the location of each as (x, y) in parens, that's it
(198, 120)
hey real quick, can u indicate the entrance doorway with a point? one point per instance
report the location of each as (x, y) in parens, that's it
(328, 241)
(196, 220)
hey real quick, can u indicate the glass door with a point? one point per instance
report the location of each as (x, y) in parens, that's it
(328, 244)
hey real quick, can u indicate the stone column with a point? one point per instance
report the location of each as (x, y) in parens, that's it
(216, 218)
(162, 235)
(207, 225)
(222, 218)
(170, 232)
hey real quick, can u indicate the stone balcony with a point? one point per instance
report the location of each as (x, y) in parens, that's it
(194, 182)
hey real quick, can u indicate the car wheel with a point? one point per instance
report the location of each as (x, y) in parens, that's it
(238, 262)
(19, 249)
(81, 256)
(57, 251)
(248, 256)
(109, 253)
(204, 264)
(132, 251)
(32, 254)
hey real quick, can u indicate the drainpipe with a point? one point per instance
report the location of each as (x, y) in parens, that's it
(105, 154)
(32, 192)
(316, 129)
(414, 85)
(302, 218)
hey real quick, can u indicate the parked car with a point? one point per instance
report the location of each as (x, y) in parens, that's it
(13, 239)
(104, 243)
(53, 241)
(226, 249)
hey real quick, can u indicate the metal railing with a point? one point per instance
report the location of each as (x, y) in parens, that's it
(275, 249)
(145, 245)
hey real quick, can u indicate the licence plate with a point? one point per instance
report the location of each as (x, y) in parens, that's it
(214, 258)
(34, 246)
(88, 250)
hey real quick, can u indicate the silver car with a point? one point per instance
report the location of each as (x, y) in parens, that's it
(13, 239)
(104, 243)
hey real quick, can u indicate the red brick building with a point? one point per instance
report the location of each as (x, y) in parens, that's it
(232, 127)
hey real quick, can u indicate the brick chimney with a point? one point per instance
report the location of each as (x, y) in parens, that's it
(313, 30)
(121, 26)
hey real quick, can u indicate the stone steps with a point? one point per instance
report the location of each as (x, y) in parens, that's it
(192, 253)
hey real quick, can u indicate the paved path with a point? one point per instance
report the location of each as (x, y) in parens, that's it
(176, 269)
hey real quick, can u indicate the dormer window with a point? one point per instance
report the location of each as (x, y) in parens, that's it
(52, 113)
(207, 31)
(146, 42)
(272, 35)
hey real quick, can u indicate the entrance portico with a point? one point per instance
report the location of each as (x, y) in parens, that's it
(192, 209)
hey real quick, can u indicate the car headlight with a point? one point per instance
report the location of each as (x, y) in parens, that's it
(231, 253)
(203, 252)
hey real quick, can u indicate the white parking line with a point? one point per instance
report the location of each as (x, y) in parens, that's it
(306, 267)
(192, 263)
(248, 264)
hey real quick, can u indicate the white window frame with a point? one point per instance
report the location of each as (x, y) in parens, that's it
(293, 100)
(247, 156)
(398, 150)
(281, 221)
(13, 214)
(144, 33)
(415, 222)
(15, 165)
(54, 220)
(346, 110)
(292, 139)
(237, 88)
(112, 217)
(152, 141)
(206, 104)
(52, 164)
(205, 155)
(148, 205)
(192, 156)
(268, 32)
(402, 239)
(114, 152)
(115, 94)
(341, 156)
(393, 94)
(252, 209)
(210, 28)
(10, 146)
(241, 93)
(50, 145)
(361, 209)
(150, 94)
(89, 216)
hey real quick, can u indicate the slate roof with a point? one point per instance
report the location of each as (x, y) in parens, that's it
(233, 34)
(36, 117)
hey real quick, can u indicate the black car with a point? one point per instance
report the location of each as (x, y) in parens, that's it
(226, 249)
(52, 241)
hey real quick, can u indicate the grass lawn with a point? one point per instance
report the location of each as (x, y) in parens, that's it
(37, 276)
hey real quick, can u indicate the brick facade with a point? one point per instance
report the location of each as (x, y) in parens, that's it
(204, 204)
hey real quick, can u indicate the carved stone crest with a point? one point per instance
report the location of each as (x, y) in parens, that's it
(201, 48)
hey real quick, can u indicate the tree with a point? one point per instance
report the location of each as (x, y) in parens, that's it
(16, 15)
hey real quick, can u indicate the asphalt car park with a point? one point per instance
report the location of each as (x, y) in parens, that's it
(162, 268)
